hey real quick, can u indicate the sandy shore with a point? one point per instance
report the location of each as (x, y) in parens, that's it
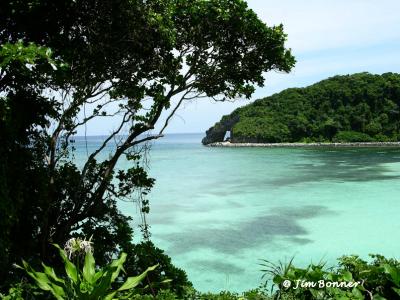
(271, 145)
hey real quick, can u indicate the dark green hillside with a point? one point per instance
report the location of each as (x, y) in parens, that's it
(353, 108)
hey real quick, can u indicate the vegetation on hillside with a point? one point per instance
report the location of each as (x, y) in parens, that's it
(353, 108)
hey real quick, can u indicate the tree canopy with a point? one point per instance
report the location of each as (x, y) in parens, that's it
(65, 63)
(352, 108)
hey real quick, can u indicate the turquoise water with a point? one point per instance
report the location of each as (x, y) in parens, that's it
(218, 211)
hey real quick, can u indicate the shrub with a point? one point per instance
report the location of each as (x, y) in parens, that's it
(378, 279)
(166, 276)
(22, 291)
(352, 137)
(373, 128)
(382, 138)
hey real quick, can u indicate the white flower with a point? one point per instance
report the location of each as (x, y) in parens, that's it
(78, 246)
(86, 246)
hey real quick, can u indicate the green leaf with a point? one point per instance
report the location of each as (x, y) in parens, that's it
(51, 274)
(110, 296)
(98, 275)
(70, 268)
(356, 292)
(132, 282)
(378, 297)
(347, 276)
(108, 275)
(393, 272)
(166, 281)
(118, 265)
(89, 268)
(42, 280)
(58, 291)
(101, 288)
(396, 290)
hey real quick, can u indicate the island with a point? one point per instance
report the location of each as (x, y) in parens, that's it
(361, 109)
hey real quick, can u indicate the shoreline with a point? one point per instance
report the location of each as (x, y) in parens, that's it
(305, 145)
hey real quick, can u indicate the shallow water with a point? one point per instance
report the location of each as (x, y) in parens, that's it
(218, 211)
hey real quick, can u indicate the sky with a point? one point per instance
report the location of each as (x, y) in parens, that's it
(327, 37)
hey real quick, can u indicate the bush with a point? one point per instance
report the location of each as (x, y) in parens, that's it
(23, 291)
(352, 137)
(166, 276)
(373, 128)
(383, 138)
(378, 279)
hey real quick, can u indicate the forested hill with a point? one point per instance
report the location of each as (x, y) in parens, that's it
(353, 108)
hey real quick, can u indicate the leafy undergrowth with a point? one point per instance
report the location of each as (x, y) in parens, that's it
(352, 278)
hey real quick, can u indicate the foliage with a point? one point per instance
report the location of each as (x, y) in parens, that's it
(65, 64)
(87, 283)
(353, 108)
(378, 279)
(22, 291)
(351, 136)
(28, 55)
(166, 276)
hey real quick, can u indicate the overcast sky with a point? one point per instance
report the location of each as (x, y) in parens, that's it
(327, 37)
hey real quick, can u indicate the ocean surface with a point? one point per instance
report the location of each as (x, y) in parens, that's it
(218, 211)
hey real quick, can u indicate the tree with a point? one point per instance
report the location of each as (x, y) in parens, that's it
(127, 59)
(360, 107)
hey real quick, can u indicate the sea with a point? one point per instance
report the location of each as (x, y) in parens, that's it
(219, 212)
